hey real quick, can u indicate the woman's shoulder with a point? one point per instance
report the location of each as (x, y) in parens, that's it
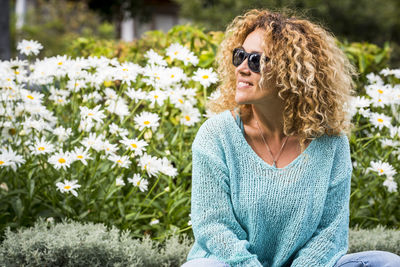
(215, 127)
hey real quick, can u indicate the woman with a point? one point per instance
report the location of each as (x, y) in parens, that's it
(271, 174)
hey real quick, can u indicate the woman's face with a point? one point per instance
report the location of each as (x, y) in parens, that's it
(248, 90)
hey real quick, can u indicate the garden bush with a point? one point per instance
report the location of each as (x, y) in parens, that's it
(99, 139)
(76, 244)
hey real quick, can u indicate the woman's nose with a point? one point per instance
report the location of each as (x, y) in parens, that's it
(243, 68)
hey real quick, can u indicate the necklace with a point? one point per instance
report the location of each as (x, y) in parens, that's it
(269, 150)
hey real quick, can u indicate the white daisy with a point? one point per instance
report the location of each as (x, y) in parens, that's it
(93, 114)
(151, 165)
(154, 58)
(41, 147)
(68, 186)
(31, 96)
(10, 158)
(138, 146)
(382, 168)
(205, 77)
(147, 120)
(93, 141)
(60, 160)
(118, 107)
(62, 133)
(115, 129)
(80, 154)
(379, 120)
(154, 221)
(167, 168)
(156, 96)
(119, 181)
(29, 47)
(138, 181)
(390, 184)
(109, 148)
(136, 95)
(175, 50)
(190, 116)
(121, 161)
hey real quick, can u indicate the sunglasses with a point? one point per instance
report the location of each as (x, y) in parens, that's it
(253, 59)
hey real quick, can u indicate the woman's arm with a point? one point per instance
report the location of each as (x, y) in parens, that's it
(330, 240)
(214, 224)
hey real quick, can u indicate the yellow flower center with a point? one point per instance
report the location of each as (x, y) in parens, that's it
(41, 148)
(60, 100)
(156, 96)
(76, 84)
(157, 78)
(380, 91)
(125, 69)
(119, 161)
(187, 118)
(61, 160)
(90, 114)
(205, 77)
(380, 100)
(380, 120)
(67, 187)
(28, 47)
(146, 123)
(180, 101)
(138, 183)
(172, 76)
(134, 145)
(60, 63)
(1, 162)
(79, 157)
(107, 83)
(381, 170)
(30, 97)
(16, 72)
(12, 131)
(175, 53)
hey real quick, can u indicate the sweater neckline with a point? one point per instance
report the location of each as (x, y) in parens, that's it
(256, 156)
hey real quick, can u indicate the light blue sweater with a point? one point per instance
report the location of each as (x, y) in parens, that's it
(246, 212)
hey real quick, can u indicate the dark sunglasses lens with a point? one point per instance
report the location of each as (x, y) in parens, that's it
(238, 57)
(254, 62)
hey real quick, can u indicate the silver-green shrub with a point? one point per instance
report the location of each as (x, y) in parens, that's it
(379, 238)
(76, 244)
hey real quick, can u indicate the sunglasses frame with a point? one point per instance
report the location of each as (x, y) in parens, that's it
(247, 55)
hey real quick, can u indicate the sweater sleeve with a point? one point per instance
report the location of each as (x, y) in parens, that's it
(330, 240)
(214, 224)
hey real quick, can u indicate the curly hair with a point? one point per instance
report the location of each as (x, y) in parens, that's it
(313, 76)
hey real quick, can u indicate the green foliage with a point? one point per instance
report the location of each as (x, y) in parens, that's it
(203, 44)
(55, 23)
(354, 19)
(366, 57)
(75, 244)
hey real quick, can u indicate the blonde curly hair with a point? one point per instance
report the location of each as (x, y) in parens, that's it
(313, 76)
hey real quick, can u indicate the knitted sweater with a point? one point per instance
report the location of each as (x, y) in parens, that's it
(246, 212)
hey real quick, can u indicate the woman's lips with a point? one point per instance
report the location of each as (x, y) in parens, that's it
(243, 84)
